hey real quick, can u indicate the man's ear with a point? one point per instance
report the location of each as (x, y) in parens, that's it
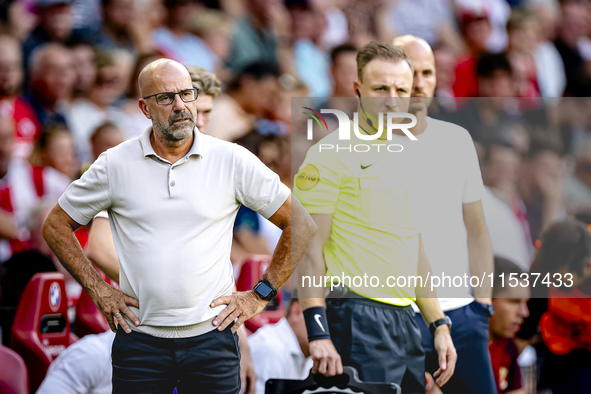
(144, 107)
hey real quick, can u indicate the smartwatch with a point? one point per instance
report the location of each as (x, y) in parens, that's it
(265, 290)
(445, 321)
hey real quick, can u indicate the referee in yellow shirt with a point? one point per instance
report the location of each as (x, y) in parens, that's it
(365, 207)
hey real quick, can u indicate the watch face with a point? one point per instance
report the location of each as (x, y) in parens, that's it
(264, 290)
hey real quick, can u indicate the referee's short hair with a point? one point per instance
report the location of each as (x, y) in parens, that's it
(375, 50)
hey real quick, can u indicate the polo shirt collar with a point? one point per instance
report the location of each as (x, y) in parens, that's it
(196, 148)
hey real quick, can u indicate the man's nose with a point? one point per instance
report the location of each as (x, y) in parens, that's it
(178, 104)
(524, 310)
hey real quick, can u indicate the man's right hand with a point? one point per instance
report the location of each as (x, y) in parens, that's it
(327, 360)
(113, 304)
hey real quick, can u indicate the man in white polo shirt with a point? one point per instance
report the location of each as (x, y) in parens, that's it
(172, 195)
(453, 230)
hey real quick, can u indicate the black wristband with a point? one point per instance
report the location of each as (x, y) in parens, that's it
(316, 323)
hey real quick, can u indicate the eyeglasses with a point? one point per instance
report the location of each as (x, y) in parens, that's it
(167, 98)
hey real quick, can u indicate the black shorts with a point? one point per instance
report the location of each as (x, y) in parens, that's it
(208, 363)
(381, 341)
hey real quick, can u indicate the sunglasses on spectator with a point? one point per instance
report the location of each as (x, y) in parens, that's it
(167, 98)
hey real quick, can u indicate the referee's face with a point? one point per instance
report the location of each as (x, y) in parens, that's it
(386, 87)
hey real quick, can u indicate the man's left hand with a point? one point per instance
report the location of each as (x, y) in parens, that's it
(447, 355)
(241, 307)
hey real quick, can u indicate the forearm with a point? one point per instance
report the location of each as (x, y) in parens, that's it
(481, 262)
(430, 309)
(60, 237)
(427, 300)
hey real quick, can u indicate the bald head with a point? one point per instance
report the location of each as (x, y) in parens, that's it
(413, 46)
(158, 73)
(423, 60)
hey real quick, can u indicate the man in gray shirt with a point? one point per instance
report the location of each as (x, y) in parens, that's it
(172, 196)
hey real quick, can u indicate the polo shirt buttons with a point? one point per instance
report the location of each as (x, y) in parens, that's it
(172, 184)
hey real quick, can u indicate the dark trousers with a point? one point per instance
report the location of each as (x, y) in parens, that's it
(208, 363)
(473, 373)
(383, 342)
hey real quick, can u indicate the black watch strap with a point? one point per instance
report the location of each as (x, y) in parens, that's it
(445, 321)
(265, 290)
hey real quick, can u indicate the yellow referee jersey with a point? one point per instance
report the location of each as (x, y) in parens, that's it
(373, 197)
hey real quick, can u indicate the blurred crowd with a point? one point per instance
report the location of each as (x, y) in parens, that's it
(68, 91)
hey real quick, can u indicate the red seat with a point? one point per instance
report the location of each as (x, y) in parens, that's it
(250, 273)
(41, 329)
(14, 378)
(89, 320)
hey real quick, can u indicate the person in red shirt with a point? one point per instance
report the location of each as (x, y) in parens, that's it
(12, 106)
(510, 296)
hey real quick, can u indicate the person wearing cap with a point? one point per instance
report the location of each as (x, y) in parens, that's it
(453, 228)
(172, 196)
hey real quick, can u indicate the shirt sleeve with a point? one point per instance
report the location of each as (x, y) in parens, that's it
(257, 187)
(317, 183)
(89, 195)
(473, 187)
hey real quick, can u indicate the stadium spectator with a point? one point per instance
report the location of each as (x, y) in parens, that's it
(250, 96)
(253, 38)
(447, 184)
(84, 367)
(123, 28)
(379, 319)
(85, 115)
(280, 351)
(16, 19)
(54, 26)
(310, 60)
(445, 64)
(83, 55)
(55, 148)
(215, 28)
(541, 185)
(105, 136)
(21, 188)
(476, 30)
(52, 82)
(497, 12)
(573, 39)
(543, 66)
(343, 70)
(511, 310)
(176, 41)
(13, 107)
(578, 187)
(504, 210)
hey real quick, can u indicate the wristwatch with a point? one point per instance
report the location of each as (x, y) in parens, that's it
(445, 321)
(265, 290)
(490, 309)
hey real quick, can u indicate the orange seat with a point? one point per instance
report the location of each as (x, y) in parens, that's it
(14, 378)
(41, 329)
(89, 320)
(250, 273)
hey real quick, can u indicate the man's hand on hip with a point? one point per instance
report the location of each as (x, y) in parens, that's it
(241, 307)
(113, 303)
(327, 360)
(447, 355)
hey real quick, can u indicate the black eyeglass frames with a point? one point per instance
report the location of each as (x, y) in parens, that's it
(167, 98)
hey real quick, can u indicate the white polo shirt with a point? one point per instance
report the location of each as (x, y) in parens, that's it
(172, 223)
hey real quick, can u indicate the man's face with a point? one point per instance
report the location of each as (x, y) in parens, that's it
(510, 310)
(120, 13)
(423, 86)
(11, 68)
(344, 72)
(83, 57)
(56, 76)
(174, 122)
(388, 86)
(204, 105)
(502, 167)
(57, 21)
(6, 140)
